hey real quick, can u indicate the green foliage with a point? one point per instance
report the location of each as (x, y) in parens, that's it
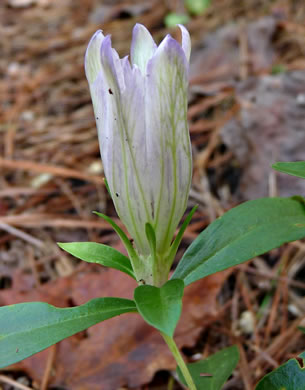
(217, 368)
(172, 19)
(28, 328)
(160, 307)
(289, 376)
(197, 7)
(278, 69)
(193, 7)
(93, 252)
(151, 238)
(292, 168)
(128, 246)
(177, 241)
(242, 233)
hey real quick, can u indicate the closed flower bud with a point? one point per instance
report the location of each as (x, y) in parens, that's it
(140, 105)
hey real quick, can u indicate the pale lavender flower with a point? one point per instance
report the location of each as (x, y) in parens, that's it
(140, 106)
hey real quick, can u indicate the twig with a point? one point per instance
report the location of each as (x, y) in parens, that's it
(47, 371)
(245, 369)
(14, 383)
(31, 166)
(19, 233)
(271, 275)
(244, 51)
(49, 220)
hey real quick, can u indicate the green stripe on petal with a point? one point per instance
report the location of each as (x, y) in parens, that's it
(168, 139)
(141, 114)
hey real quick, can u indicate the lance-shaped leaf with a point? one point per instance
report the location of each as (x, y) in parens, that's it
(160, 306)
(28, 328)
(93, 252)
(178, 239)
(128, 245)
(212, 372)
(242, 233)
(292, 168)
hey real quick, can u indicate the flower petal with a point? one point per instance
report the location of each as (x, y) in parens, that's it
(142, 47)
(112, 64)
(186, 41)
(140, 111)
(92, 56)
(133, 199)
(118, 100)
(168, 142)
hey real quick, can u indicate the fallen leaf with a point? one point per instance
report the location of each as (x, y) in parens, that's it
(269, 128)
(123, 350)
(216, 60)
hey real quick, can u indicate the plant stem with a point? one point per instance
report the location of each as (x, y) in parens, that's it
(179, 359)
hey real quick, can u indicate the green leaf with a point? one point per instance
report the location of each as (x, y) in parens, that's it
(107, 187)
(160, 306)
(278, 69)
(28, 328)
(151, 238)
(292, 168)
(175, 245)
(289, 376)
(92, 252)
(217, 368)
(197, 7)
(172, 19)
(302, 329)
(131, 252)
(242, 233)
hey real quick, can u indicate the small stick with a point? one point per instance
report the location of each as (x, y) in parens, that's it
(20, 234)
(245, 369)
(48, 369)
(32, 166)
(14, 383)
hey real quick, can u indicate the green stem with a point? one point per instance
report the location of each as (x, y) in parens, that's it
(179, 359)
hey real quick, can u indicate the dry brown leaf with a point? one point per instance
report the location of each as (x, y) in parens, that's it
(229, 52)
(269, 128)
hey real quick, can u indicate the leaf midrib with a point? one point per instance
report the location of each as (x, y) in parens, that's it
(193, 270)
(64, 322)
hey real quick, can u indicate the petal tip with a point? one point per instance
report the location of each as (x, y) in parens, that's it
(169, 42)
(143, 46)
(186, 41)
(138, 27)
(92, 56)
(106, 42)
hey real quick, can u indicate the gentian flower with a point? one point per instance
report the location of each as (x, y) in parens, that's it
(140, 106)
